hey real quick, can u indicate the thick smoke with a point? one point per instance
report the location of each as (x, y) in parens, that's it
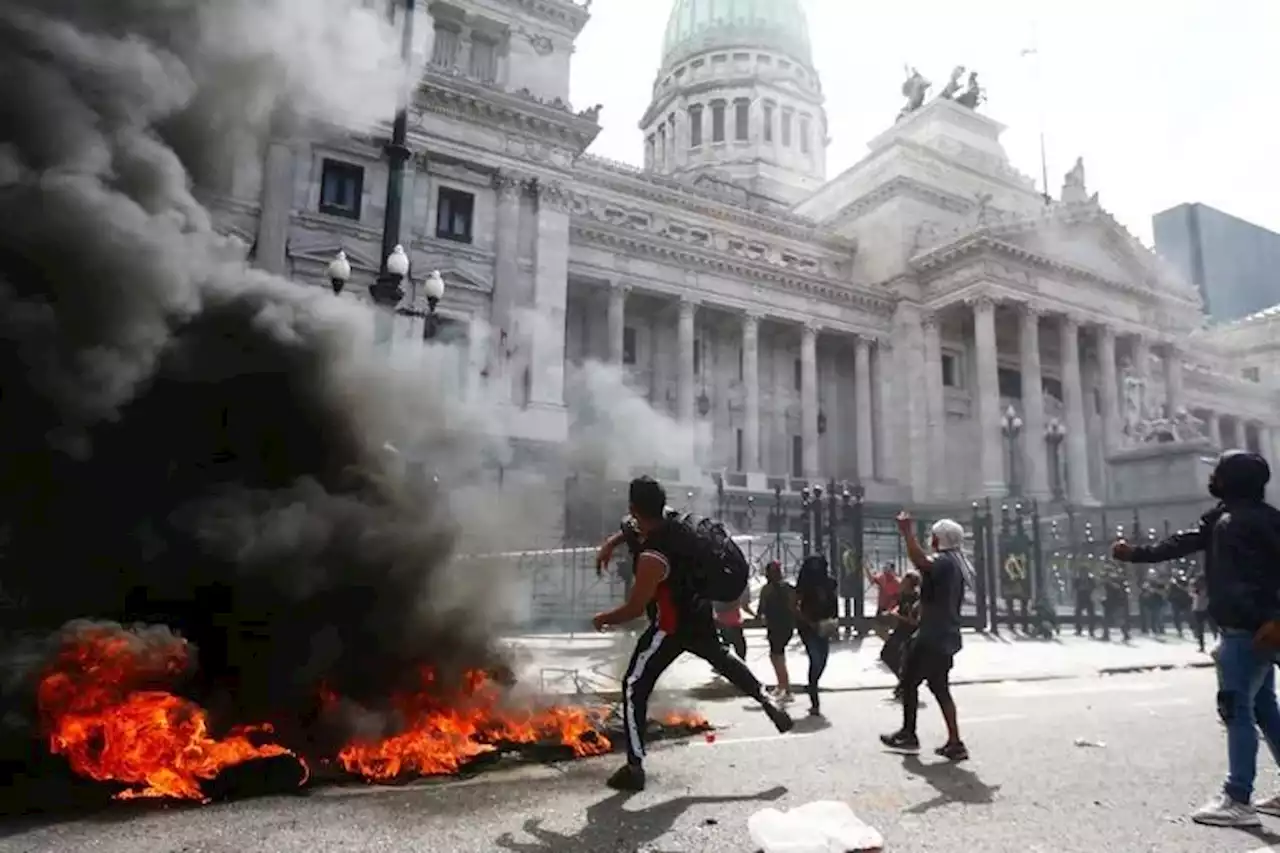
(186, 441)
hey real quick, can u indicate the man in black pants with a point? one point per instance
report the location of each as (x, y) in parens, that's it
(680, 621)
(937, 640)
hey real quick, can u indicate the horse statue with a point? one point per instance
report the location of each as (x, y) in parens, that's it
(974, 95)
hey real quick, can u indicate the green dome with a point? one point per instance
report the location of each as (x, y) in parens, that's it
(696, 26)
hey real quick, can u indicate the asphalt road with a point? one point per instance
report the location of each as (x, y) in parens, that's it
(1028, 789)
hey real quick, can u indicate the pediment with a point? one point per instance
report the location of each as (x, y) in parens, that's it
(1090, 239)
(323, 253)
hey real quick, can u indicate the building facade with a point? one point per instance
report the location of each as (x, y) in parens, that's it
(1233, 263)
(875, 327)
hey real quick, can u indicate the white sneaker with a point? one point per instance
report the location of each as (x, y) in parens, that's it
(1269, 807)
(1224, 811)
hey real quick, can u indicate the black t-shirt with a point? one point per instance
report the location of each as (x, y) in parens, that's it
(941, 595)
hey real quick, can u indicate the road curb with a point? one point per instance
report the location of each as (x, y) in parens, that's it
(714, 691)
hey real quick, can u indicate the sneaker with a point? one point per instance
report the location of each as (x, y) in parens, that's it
(902, 743)
(1269, 807)
(628, 777)
(779, 717)
(1224, 811)
(953, 751)
(785, 698)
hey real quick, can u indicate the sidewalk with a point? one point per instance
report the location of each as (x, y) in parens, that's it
(593, 663)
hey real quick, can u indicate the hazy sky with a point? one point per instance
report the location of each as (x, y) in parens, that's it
(1167, 100)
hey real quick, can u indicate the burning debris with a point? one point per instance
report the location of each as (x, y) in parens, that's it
(107, 707)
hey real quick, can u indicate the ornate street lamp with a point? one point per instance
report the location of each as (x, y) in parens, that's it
(433, 290)
(1054, 434)
(338, 271)
(1011, 429)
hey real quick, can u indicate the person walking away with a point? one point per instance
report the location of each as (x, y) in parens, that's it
(1085, 585)
(1240, 540)
(682, 622)
(777, 607)
(937, 641)
(1180, 603)
(817, 609)
(887, 588)
(729, 622)
(906, 619)
(1200, 619)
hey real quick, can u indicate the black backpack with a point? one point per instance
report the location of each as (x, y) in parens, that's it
(714, 564)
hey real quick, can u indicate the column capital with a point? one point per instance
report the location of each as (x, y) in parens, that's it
(552, 194)
(864, 342)
(981, 302)
(1071, 320)
(751, 322)
(688, 306)
(620, 289)
(1106, 332)
(1031, 309)
(810, 328)
(509, 185)
(929, 320)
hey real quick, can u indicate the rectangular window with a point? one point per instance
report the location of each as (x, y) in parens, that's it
(787, 115)
(341, 189)
(737, 453)
(695, 125)
(804, 134)
(454, 213)
(484, 59)
(768, 122)
(797, 456)
(629, 345)
(799, 374)
(950, 371)
(1010, 382)
(444, 47)
(1252, 374)
(717, 121)
(742, 120)
(1053, 388)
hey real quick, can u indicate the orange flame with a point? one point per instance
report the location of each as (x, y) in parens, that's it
(111, 729)
(105, 710)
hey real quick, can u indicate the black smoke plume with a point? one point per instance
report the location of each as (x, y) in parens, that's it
(185, 441)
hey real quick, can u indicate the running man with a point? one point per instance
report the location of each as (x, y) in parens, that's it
(680, 621)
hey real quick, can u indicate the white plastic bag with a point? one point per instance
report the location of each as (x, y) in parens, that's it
(820, 827)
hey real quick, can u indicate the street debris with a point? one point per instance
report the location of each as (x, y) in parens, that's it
(1088, 743)
(824, 826)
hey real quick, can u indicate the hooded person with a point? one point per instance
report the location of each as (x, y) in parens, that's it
(1240, 540)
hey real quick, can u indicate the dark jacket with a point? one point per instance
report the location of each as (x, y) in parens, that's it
(1240, 538)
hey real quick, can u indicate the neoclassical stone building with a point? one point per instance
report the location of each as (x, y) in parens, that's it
(875, 325)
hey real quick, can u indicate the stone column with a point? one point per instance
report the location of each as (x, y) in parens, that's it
(751, 388)
(506, 268)
(1110, 388)
(684, 373)
(988, 392)
(935, 411)
(550, 295)
(1073, 402)
(1173, 379)
(864, 441)
(881, 393)
(617, 321)
(1142, 365)
(276, 208)
(1215, 429)
(1035, 475)
(809, 399)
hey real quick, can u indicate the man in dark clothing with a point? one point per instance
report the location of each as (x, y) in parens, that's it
(1115, 601)
(1086, 613)
(680, 621)
(1240, 539)
(937, 640)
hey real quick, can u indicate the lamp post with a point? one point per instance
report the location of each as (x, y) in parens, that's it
(1011, 428)
(386, 290)
(1054, 434)
(338, 272)
(777, 522)
(433, 291)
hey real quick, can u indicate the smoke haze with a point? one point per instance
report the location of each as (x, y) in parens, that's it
(192, 443)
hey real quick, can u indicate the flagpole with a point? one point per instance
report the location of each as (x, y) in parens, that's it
(1038, 75)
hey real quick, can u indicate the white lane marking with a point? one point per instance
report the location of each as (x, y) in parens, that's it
(996, 718)
(762, 739)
